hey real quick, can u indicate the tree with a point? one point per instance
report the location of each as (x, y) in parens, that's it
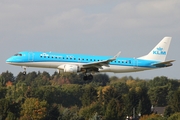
(175, 116)
(114, 110)
(144, 105)
(4, 108)
(102, 79)
(32, 108)
(168, 111)
(89, 95)
(131, 102)
(174, 102)
(121, 87)
(158, 81)
(2, 92)
(88, 111)
(5, 77)
(158, 95)
(53, 112)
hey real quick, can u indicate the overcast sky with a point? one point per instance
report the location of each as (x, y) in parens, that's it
(95, 27)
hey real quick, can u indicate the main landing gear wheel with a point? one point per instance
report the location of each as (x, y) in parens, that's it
(85, 78)
(88, 77)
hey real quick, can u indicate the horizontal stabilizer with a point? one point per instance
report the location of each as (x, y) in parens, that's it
(164, 64)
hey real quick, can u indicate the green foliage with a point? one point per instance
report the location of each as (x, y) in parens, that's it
(2, 81)
(144, 105)
(175, 101)
(102, 79)
(121, 87)
(114, 110)
(2, 92)
(89, 111)
(158, 95)
(89, 95)
(175, 116)
(16, 92)
(168, 111)
(131, 102)
(158, 81)
(4, 108)
(8, 76)
(67, 96)
(71, 95)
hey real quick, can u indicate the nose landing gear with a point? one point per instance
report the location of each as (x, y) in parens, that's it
(24, 72)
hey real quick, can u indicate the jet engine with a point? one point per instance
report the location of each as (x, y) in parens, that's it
(71, 68)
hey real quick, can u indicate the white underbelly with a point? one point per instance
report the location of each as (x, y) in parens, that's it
(122, 69)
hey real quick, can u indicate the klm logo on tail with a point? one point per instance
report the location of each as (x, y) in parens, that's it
(159, 51)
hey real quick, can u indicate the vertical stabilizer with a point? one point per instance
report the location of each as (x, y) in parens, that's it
(159, 52)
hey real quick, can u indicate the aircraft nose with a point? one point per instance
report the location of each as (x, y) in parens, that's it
(9, 60)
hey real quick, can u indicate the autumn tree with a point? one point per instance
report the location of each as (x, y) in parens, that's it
(32, 108)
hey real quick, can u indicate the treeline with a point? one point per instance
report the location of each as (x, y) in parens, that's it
(41, 96)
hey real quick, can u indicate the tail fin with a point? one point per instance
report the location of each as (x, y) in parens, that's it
(159, 52)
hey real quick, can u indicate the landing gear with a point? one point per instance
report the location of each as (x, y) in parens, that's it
(88, 77)
(24, 72)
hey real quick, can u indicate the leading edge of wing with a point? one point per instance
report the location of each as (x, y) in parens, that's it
(99, 64)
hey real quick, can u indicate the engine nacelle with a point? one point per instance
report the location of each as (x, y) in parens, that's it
(71, 68)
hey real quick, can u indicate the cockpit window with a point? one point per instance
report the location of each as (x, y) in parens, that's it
(18, 54)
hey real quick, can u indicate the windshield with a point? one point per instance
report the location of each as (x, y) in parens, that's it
(18, 54)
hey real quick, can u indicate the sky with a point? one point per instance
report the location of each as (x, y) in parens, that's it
(93, 27)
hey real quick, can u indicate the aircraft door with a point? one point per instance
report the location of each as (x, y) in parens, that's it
(30, 56)
(135, 63)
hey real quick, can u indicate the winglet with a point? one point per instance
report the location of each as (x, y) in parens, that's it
(117, 55)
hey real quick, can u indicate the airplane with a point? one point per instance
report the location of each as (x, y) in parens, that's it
(90, 64)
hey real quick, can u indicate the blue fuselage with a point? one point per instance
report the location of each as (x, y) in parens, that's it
(54, 60)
